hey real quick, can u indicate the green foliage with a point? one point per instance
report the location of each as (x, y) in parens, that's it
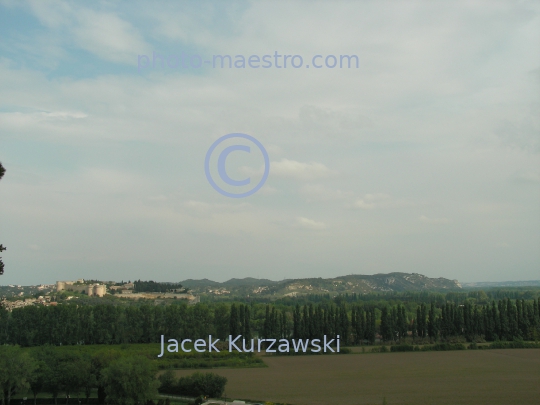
(386, 325)
(443, 347)
(79, 370)
(101, 356)
(310, 352)
(356, 324)
(197, 384)
(221, 321)
(198, 401)
(101, 359)
(16, 370)
(167, 381)
(153, 286)
(402, 348)
(61, 371)
(130, 381)
(426, 348)
(73, 373)
(514, 345)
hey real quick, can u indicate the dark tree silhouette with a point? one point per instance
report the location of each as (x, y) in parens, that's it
(2, 248)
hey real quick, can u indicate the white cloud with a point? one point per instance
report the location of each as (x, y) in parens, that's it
(451, 109)
(35, 120)
(364, 205)
(310, 224)
(319, 192)
(331, 121)
(109, 181)
(434, 221)
(299, 171)
(104, 34)
(371, 201)
(108, 36)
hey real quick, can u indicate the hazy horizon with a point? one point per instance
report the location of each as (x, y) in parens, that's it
(424, 159)
(270, 279)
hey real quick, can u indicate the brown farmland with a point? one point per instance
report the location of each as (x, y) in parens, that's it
(478, 377)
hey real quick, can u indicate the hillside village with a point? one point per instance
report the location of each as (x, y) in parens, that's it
(17, 296)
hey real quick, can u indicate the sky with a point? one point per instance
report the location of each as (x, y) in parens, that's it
(424, 158)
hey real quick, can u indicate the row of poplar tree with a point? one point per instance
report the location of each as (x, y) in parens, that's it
(502, 320)
(70, 324)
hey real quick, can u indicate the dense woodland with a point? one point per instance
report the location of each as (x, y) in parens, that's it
(355, 322)
(116, 376)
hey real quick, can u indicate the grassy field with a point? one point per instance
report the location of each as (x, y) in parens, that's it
(172, 360)
(471, 377)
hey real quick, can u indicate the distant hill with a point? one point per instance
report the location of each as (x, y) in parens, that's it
(495, 284)
(257, 282)
(354, 283)
(233, 282)
(190, 283)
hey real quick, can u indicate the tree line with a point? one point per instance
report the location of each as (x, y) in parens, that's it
(154, 286)
(501, 320)
(194, 385)
(117, 376)
(70, 324)
(393, 297)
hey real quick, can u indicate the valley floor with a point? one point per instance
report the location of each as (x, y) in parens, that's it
(471, 377)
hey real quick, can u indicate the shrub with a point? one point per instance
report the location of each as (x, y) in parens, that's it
(402, 348)
(443, 347)
(167, 380)
(130, 380)
(517, 344)
(198, 401)
(197, 384)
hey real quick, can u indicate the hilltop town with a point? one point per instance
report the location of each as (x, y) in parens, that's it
(17, 296)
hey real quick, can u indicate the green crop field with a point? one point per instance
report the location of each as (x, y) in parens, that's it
(179, 360)
(471, 377)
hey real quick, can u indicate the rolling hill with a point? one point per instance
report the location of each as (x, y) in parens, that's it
(354, 283)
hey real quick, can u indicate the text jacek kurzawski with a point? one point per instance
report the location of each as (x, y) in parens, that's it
(251, 345)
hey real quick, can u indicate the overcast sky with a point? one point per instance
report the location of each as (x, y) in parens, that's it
(425, 158)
